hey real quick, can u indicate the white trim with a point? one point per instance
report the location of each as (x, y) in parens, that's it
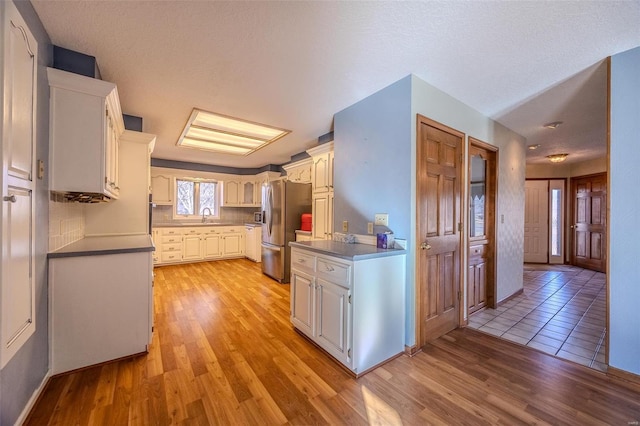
(32, 401)
(320, 149)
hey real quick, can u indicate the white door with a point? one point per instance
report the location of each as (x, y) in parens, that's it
(536, 221)
(302, 302)
(320, 216)
(332, 312)
(19, 76)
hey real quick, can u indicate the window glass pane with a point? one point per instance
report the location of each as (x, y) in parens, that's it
(477, 196)
(185, 196)
(207, 196)
(556, 214)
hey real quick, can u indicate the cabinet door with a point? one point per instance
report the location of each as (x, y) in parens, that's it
(233, 245)
(248, 193)
(332, 319)
(191, 247)
(231, 193)
(320, 216)
(320, 176)
(330, 170)
(162, 189)
(302, 301)
(111, 155)
(212, 247)
(250, 243)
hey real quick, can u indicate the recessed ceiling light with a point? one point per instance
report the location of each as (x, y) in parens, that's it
(227, 135)
(557, 158)
(553, 125)
(534, 147)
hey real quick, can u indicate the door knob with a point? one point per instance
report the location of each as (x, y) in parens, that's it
(425, 246)
(10, 198)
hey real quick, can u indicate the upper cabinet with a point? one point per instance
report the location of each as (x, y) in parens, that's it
(322, 189)
(232, 193)
(85, 127)
(245, 191)
(162, 189)
(300, 171)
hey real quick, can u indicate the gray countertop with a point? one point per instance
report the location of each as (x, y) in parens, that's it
(187, 224)
(346, 251)
(113, 244)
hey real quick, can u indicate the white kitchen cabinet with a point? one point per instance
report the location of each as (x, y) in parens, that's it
(322, 191)
(322, 216)
(248, 189)
(85, 127)
(352, 308)
(233, 243)
(211, 246)
(300, 171)
(162, 189)
(191, 247)
(157, 243)
(231, 193)
(99, 308)
(18, 112)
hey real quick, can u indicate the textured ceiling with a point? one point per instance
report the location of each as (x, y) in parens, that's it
(294, 64)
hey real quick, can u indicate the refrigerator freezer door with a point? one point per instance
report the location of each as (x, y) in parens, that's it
(273, 258)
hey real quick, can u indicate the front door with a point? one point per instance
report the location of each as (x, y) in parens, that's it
(439, 160)
(536, 221)
(589, 221)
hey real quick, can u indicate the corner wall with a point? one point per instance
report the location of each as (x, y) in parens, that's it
(624, 193)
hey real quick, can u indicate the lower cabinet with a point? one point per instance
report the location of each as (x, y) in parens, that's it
(198, 243)
(353, 309)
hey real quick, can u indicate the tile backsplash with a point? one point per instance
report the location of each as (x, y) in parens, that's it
(236, 215)
(66, 222)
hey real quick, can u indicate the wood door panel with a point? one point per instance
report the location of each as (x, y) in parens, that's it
(438, 216)
(589, 222)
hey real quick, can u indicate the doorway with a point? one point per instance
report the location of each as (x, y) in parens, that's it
(481, 274)
(439, 160)
(589, 226)
(544, 221)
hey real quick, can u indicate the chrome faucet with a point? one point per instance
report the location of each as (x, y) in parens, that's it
(204, 218)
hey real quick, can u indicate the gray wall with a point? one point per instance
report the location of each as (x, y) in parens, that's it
(375, 172)
(624, 193)
(26, 370)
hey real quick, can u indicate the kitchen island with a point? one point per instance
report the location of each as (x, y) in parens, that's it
(100, 300)
(349, 299)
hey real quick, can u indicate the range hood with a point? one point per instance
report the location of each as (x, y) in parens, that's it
(86, 197)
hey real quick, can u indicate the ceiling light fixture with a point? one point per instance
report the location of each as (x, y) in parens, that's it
(534, 147)
(553, 125)
(227, 135)
(557, 158)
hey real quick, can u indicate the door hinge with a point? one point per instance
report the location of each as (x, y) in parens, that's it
(459, 226)
(349, 298)
(460, 158)
(349, 353)
(459, 296)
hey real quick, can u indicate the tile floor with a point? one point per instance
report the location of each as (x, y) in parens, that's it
(561, 311)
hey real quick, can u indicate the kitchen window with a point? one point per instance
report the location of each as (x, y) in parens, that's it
(193, 196)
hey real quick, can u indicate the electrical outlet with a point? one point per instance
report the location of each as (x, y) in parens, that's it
(370, 228)
(345, 226)
(381, 219)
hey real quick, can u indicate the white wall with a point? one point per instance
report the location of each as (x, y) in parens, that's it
(558, 171)
(624, 196)
(375, 172)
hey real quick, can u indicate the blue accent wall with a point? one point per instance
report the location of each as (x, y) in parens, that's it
(185, 165)
(26, 370)
(624, 194)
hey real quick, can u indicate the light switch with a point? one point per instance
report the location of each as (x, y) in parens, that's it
(345, 226)
(370, 228)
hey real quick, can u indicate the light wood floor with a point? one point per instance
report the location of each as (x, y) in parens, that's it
(224, 353)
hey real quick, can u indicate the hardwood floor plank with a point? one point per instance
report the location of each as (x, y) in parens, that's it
(224, 352)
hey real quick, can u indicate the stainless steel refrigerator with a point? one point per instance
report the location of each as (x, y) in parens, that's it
(283, 203)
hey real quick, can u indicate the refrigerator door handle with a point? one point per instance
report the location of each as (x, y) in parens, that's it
(270, 247)
(270, 208)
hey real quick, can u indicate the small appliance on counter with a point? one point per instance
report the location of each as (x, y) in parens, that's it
(305, 222)
(257, 217)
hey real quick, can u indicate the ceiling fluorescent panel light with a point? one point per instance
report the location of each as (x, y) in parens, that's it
(227, 135)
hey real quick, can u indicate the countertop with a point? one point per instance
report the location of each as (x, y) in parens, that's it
(187, 224)
(352, 252)
(115, 244)
(300, 231)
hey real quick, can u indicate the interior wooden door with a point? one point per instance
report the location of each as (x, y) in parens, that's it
(536, 221)
(438, 228)
(589, 221)
(481, 230)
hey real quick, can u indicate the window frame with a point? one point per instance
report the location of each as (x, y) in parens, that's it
(196, 198)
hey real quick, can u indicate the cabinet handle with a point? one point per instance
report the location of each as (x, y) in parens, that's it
(301, 261)
(10, 198)
(329, 268)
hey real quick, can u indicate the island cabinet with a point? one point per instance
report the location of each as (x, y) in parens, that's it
(349, 300)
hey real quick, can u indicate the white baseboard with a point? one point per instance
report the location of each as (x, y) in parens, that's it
(34, 397)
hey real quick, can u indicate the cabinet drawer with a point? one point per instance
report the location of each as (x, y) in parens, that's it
(168, 256)
(172, 247)
(172, 239)
(212, 230)
(335, 272)
(171, 231)
(191, 231)
(303, 261)
(233, 230)
(477, 251)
